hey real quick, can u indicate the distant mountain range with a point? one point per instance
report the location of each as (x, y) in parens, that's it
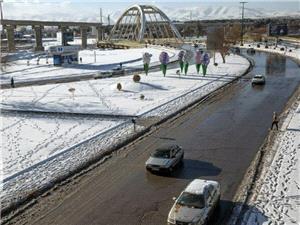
(217, 12)
(181, 11)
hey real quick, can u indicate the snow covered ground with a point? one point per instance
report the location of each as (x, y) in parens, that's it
(30, 138)
(163, 96)
(278, 199)
(105, 60)
(102, 96)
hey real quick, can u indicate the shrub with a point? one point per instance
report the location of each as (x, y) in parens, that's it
(136, 78)
(119, 86)
(258, 45)
(142, 97)
(215, 64)
(290, 50)
(281, 49)
(266, 46)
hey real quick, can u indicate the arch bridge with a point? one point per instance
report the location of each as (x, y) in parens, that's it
(140, 22)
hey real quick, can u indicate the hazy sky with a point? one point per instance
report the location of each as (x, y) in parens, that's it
(80, 10)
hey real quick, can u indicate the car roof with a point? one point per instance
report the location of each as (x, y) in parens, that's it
(167, 147)
(197, 186)
(258, 75)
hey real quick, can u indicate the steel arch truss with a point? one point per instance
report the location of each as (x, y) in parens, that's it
(141, 22)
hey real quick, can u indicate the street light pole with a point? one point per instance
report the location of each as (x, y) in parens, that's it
(242, 23)
(1, 1)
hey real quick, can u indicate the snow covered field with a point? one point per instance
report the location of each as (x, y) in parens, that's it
(163, 96)
(105, 60)
(30, 138)
(278, 199)
(102, 96)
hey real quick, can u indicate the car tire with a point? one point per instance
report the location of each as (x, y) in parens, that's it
(181, 161)
(217, 208)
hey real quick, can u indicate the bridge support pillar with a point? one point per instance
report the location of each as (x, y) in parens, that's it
(38, 38)
(99, 33)
(10, 37)
(63, 29)
(83, 31)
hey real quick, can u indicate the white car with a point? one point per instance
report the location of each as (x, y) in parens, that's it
(258, 79)
(195, 204)
(165, 158)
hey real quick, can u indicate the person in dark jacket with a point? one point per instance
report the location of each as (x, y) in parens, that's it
(12, 82)
(275, 121)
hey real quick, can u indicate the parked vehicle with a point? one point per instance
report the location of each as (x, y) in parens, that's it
(258, 79)
(251, 51)
(165, 158)
(196, 203)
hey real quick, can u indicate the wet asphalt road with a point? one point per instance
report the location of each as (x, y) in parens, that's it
(220, 138)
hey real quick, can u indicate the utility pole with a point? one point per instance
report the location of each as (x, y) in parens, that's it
(242, 23)
(101, 16)
(1, 1)
(101, 24)
(108, 20)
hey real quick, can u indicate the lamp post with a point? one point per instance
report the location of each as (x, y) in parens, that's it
(242, 23)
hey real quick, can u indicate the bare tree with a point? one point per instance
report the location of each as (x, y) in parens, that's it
(220, 39)
(257, 34)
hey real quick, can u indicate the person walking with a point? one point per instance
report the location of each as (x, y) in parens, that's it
(275, 121)
(12, 82)
(134, 124)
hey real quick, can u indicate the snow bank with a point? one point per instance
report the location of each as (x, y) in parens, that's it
(277, 201)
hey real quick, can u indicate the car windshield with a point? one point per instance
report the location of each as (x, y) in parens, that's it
(191, 200)
(162, 153)
(258, 76)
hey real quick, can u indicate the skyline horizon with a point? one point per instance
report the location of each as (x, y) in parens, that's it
(76, 10)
